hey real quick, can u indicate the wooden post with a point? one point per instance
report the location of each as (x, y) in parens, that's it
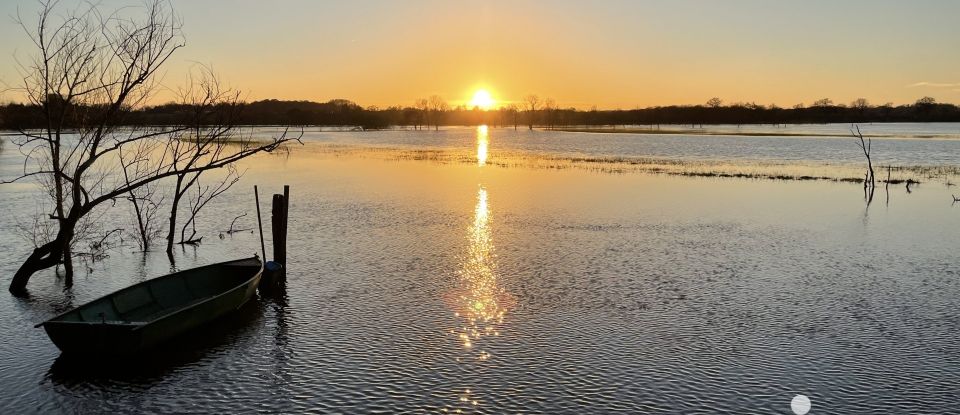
(286, 215)
(263, 247)
(281, 205)
(274, 276)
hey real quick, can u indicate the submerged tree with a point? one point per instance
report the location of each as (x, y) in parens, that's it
(531, 103)
(869, 180)
(514, 113)
(90, 70)
(209, 134)
(199, 198)
(422, 106)
(145, 200)
(549, 111)
(438, 107)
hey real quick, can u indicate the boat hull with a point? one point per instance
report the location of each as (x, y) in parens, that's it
(116, 337)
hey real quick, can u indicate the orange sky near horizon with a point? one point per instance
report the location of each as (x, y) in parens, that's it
(611, 54)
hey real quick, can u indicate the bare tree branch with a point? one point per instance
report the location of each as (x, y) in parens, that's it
(90, 70)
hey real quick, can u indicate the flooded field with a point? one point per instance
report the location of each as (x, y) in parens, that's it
(483, 270)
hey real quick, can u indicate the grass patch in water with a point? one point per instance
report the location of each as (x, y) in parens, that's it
(692, 132)
(671, 167)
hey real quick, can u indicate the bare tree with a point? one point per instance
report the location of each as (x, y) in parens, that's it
(823, 102)
(144, 200)
(531, 103)
(90, 71)
(232, 230)
(438, 107)
(514, 113)
(869, 180)
(861, 105)
(423, 108)
(714, 102)
(549, 109)
(210, 133)
(203, 195)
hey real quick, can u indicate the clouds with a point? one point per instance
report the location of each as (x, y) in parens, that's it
(955, 85)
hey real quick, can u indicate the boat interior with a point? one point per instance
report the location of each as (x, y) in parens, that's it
(155, 298)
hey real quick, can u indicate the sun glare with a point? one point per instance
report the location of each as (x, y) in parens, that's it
(482, 99)
(483, 140)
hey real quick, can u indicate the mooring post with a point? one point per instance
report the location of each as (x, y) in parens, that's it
(279, 228)
(286, 216)
(275, 271)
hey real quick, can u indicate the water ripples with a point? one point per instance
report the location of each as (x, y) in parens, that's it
(627, 304)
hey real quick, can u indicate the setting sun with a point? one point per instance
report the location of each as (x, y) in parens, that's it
(482, 99)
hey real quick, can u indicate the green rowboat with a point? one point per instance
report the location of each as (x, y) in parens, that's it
(146, 314)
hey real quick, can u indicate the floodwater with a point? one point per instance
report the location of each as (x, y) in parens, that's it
(900, 144)
(456, 271)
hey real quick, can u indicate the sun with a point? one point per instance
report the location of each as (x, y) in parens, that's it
(482, 99)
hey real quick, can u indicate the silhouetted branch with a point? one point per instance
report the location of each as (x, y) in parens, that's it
(869, 181)
(232, 231)
(90, 74)
(201, 198)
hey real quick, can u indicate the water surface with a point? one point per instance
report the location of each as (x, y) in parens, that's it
(459, 282)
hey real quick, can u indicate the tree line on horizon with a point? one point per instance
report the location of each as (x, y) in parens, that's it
(531, 112)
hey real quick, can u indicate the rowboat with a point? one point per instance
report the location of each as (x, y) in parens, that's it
(144, 315)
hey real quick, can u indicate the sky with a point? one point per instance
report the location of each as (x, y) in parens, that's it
(608, 54)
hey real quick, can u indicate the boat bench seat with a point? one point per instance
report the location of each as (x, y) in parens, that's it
(145, 315)
(135, 304)
(148, 302)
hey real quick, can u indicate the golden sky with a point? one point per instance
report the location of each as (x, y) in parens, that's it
(612, 54)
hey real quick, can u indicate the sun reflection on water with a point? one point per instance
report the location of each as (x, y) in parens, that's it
(481, 303)
(483, 140)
